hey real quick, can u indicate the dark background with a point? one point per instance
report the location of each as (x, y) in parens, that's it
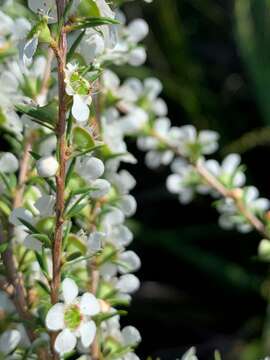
(201, 285)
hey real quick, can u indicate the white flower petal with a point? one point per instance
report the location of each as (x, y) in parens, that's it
(128, 283)
(80, 109)
(138, 30)
(8, 163)
(102, 187)
(55, 317)
(90, 168)
(47, 166)
(128, 205)
(174, 183)
(30, 242)
(89, 304)
(45, 205)
(137, 56)
(231, 163)
(65, 342)
(87, 332)
(20, 213)
(9, 340)
(70, 290)
(131, 336)
(30, 47)
(131, 262)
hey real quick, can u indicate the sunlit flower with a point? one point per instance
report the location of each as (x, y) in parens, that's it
(73, 318)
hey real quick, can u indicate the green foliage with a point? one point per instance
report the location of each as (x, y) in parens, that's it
(253, 34)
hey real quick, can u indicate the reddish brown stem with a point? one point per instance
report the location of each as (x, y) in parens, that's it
(24, 164)
(60, 51)
(18, 293)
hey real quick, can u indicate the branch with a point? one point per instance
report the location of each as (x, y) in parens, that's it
(46, 76)
(24, 164)
(17, 289)
(214, 183)
(61, 142)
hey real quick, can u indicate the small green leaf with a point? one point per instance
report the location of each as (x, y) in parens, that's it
(90, 22)
(29, 226)
(75, 244)
(82, 139)
(217, 355)
(74, 256)
(3, 247)
(75, 45)
(47, 115)
(88, 8)
(35, 155)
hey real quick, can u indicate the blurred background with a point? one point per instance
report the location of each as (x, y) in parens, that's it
(200, 285)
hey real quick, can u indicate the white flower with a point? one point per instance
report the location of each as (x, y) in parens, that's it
(134, 121)
(137, 30)
(185, 181)
(20, 213)
(128, 283)
(102, 187)
(128, 205)
(190, 355)
(228, 172)
(73, 318)
(94, 241)
(45, 205)
(47, 166)
(8, 163)
(124, 263)
(92, 45)
(137, 56)
(230, 216)
(44, 6)
(193, 144)
(79, 89)
(89, 168)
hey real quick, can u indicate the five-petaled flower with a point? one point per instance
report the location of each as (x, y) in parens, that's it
(73, 318)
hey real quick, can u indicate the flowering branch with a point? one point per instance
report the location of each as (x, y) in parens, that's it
(61, 144)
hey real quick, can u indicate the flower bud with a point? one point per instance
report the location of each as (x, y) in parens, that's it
(47, 166)
(264, 249)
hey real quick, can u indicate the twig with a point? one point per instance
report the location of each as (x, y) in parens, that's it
(19, 296)
(61, 141)
(24, 164)
(215, 184)
(46, 76)
(60, 51)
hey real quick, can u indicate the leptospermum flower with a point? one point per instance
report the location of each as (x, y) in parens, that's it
(47, 166)
(73, 318)
(8, 163)
(79, 88)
